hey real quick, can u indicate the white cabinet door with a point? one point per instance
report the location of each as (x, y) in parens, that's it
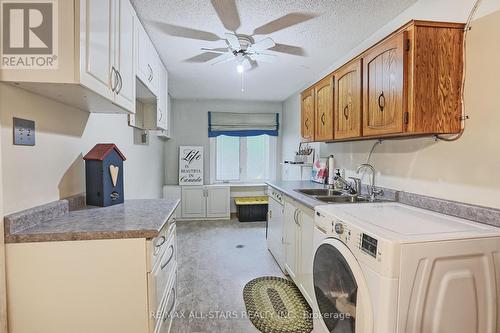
(147, 60)
(161, 113)
(124, 56)
(290, 227)
(218, 202)
(306, 221)
(193, 202)
(275, 231)
(97, 46)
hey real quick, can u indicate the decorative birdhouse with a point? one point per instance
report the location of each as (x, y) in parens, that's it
(104, 175)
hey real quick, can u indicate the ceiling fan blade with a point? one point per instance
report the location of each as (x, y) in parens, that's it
(289, 49)
(222, 58)
(228, 13)
(220, 50)
(270, 58)
(283, 22)
(233, 41)
(202, 57)
(183, 32)
(262, 45)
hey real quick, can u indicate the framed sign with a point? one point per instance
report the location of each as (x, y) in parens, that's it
(190, 165)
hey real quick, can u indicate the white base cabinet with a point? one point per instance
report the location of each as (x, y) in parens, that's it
(206, 202)
(98, 286)
(298, 240)
(275, 238)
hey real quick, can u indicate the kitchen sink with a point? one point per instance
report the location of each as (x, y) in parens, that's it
(320, 192)
(341, 199)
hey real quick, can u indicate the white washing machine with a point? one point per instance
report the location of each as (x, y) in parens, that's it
(388, 267)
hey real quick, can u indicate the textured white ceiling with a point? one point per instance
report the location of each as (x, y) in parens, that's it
(338, 27)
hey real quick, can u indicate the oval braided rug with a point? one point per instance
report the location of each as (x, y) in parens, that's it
(275, 305)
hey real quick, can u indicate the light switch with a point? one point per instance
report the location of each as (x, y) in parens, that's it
(24, 132)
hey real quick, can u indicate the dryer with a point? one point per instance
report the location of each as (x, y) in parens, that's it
(389, 267)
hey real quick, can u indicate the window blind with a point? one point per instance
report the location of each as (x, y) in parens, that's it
(242, 124)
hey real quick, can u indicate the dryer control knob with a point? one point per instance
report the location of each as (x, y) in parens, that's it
(339, 228)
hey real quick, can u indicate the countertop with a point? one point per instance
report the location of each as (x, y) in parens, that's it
(289, 187)
(132, 219)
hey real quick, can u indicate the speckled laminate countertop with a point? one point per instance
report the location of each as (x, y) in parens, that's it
(289, 187)
(132, 219)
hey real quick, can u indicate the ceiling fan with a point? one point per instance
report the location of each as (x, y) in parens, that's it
(241, 48)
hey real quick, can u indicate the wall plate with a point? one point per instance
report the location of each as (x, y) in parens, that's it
(24, 132)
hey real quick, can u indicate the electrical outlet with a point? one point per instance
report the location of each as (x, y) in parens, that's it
(24, 132)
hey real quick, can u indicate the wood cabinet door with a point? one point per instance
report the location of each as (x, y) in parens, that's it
(97, 19)
(348, 101)
(307, 115)
(384, 87)
(323, 107)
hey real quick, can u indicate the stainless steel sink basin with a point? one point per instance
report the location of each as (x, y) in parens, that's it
(319, 192)
(341, 199)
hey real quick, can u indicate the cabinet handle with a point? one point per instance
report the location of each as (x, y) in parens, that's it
(270, 214)
(172, 306)
(120, 82)
(306, 123)
(346, 110)
(159, 241)
(114, 77)
(161, 114)
(169, 258)
(150, 77)
(381, 101)
(323, 118)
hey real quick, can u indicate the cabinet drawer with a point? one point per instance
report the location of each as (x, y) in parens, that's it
(164, 322)
(159, 278)
(157, 245)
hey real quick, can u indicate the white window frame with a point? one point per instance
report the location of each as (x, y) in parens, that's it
(273, 143)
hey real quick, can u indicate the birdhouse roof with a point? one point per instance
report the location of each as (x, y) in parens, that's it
(101, 150)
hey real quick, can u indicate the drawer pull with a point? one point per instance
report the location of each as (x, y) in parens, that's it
(159, 241)
(169, 258)
(169, 312)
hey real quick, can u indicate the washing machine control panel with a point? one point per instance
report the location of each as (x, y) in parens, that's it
(369, 245)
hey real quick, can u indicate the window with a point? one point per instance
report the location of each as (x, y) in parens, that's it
(242, 159)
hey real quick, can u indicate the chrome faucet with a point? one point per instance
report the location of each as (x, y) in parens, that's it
(372, 191)
(353, 190)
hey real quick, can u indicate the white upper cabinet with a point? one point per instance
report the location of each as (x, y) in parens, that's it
(148, 61)
(161, 113)
(97, 47)
(125, 63)
(100, 50)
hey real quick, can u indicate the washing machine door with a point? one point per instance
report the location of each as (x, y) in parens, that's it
(341, 291)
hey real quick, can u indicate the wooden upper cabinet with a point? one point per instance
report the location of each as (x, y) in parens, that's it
(384, 87)
(307, 115)
(348, 101)
(323, 109)
(407, 84)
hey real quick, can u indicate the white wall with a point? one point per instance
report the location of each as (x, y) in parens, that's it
(464, 170)
(190, 127)
(54, 168)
